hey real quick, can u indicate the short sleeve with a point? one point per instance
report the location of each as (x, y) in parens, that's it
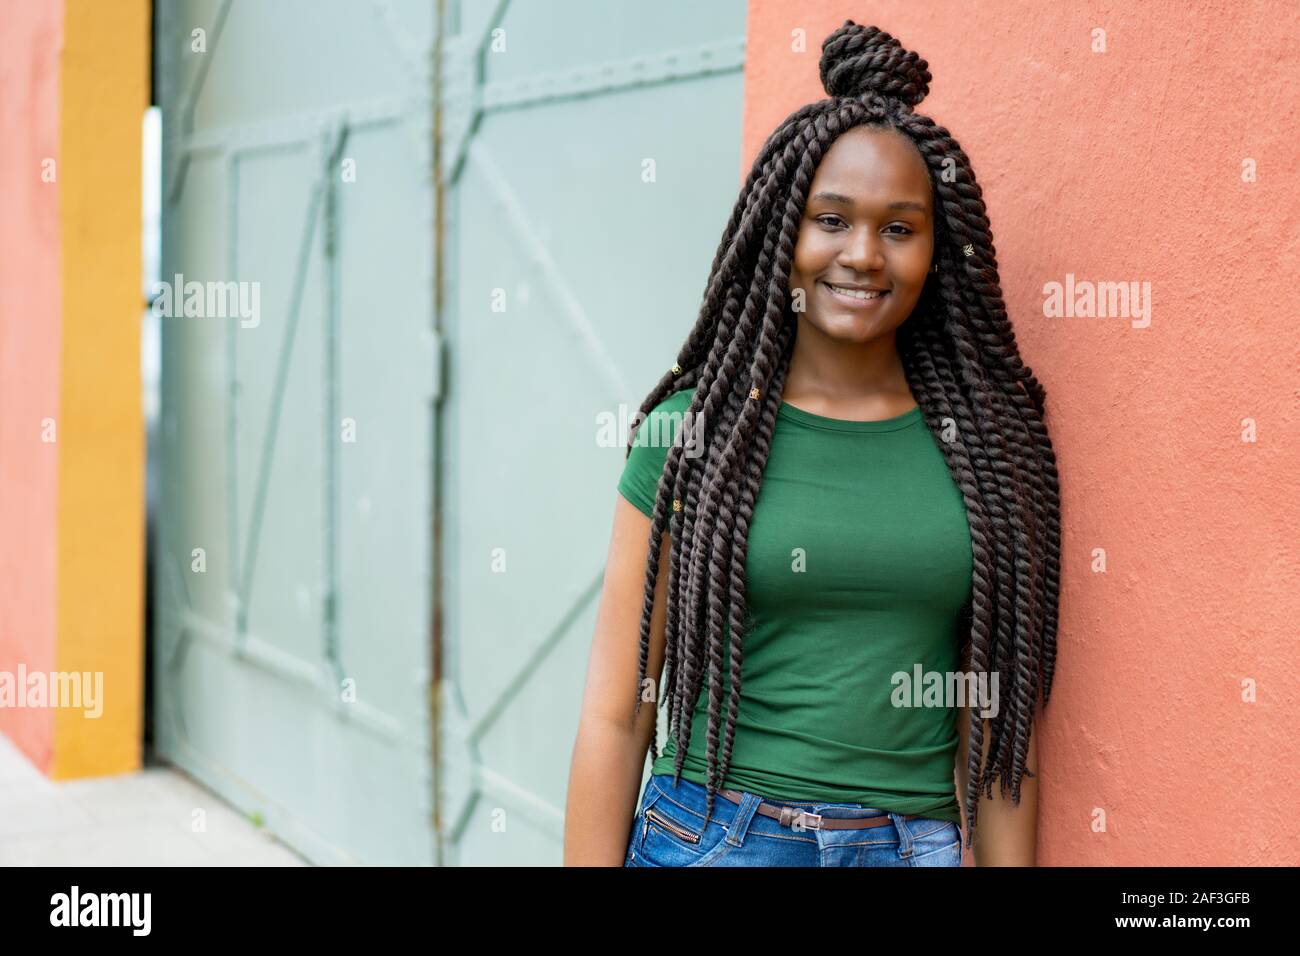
(639, 483)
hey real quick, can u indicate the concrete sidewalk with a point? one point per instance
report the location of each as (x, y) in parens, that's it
(139, 819)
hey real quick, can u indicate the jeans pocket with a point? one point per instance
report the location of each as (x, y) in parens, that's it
(672, 835)
(941, 846)
(633, 842)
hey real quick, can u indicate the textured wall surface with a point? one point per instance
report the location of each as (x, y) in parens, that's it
(30, 40)
(72, 95)
(1134, 165)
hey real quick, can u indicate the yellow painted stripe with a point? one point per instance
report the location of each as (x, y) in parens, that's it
(100, 580)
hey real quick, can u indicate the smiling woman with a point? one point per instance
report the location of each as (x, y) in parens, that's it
(864, 252)
(877, 494)
(867, 241)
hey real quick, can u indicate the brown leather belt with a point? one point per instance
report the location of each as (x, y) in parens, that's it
(790, 816)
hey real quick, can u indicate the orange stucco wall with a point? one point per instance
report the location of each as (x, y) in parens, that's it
(1127, 165)
(71, 429)
(30, 313)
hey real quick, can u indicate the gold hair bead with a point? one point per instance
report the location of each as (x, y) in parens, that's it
(753, 393)
(677, 369)
(969, 249)
(677, 504)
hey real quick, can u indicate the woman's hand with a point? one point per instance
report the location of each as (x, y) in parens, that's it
(1007, 833)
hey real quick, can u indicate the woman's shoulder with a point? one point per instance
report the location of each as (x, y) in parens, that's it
(678, 401)
(660, 425)
(647, 456)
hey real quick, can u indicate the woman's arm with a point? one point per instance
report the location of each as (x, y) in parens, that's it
(610, 751)
(1007, 833)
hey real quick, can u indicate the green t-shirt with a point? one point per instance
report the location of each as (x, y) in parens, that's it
(858, 567)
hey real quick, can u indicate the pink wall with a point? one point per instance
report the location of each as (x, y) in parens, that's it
(30, 309)
(1127, 166)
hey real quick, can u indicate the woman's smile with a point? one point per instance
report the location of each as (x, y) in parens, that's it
(864, 248)
(859, 299)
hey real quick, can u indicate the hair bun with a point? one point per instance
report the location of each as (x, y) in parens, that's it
(858, 60)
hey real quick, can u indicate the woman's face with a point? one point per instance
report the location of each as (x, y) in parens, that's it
(868, 225)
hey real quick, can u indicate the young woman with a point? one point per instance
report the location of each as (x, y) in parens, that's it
(864, 506)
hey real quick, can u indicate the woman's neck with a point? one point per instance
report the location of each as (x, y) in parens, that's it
(846, 379)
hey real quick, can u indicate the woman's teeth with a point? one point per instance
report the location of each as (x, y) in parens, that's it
(856, 293)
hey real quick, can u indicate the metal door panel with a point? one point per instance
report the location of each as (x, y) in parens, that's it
(293, 673)
(601, 273)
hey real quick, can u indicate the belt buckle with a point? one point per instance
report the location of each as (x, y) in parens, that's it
(800, 821)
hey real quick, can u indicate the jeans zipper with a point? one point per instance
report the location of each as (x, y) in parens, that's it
(685, 834)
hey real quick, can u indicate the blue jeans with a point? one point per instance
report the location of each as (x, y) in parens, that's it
(669, 830)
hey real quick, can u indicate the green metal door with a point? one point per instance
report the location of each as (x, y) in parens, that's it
(591, 153)
(294, 559)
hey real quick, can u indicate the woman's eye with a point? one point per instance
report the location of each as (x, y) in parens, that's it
(834, 221)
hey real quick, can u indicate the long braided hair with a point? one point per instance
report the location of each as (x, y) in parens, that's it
(960, 358)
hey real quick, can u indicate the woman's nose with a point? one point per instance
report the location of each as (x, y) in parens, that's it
(862, 250)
